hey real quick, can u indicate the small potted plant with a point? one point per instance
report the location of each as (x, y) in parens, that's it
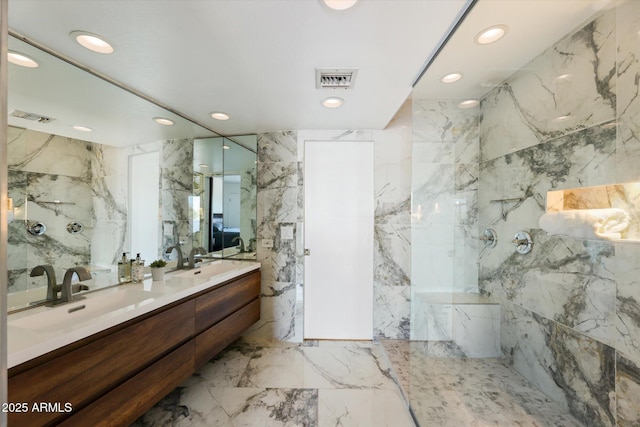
(157, 269)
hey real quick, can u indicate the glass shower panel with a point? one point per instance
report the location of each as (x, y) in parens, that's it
(444, 222)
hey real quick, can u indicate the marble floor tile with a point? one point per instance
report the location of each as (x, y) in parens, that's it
(447, 390)
(362, 407)
(316, 367)
(342, 384)
(266, 383)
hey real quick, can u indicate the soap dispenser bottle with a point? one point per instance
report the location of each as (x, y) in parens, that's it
(137, 270)
(124, 269)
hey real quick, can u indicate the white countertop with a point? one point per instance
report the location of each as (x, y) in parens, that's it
(37, 331)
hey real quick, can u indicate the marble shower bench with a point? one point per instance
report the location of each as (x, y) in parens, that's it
(470, 321)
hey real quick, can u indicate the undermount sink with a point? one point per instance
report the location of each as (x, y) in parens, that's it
(209, 270)
(81, 310)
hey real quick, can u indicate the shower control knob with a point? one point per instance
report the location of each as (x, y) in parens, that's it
(36, 228)
(523, 242)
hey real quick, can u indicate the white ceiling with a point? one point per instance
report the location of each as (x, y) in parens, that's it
(534, 25)
(254, 60)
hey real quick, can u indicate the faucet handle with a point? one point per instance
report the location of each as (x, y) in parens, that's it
(39, 270)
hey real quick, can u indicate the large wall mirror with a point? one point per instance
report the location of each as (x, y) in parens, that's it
(92, 175)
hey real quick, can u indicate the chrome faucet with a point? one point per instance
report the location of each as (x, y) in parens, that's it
(179, 251)
(192, 256)
(81, 272)
(235, 239)
(52, 287)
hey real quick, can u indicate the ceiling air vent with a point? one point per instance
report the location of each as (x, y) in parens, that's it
(335, 78)
(31, 116)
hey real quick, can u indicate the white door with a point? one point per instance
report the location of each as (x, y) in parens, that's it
(338, 213)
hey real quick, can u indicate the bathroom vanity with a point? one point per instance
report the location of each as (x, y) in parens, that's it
(127, 347)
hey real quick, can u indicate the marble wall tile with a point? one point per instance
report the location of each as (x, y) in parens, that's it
(572, 369)
(465, 258)
(278, 147)
(627, 269)
(278, 305)
(279, 263)
(628, 102)
(249, 206)
(627, 392)
(432, 264)
(430, 322)
(392, 176)
(279, 204)
(476, 329)
(433, 192)
(392, 255)
(45, 168)
(110, 185)
(392, 312)
(110, 225)
(570, 86)
(392, 231)
(442, 121)
(177, 153)
(32, 151)
(568, 280)
(584, 158)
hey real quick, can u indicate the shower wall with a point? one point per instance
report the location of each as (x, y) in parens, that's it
(570, 308)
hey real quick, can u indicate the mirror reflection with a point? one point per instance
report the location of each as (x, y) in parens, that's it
(123, 184)
(225, 192)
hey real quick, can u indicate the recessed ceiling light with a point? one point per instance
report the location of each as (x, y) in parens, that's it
(21, 59)
(163, 121)
(226, 147)
(451, 78)
(470, 103)
(218, 115)
(491, 34)
(333, 102)
(82, 128)
(92, 42)
(561, 119)
(339, 4)
(203, 165)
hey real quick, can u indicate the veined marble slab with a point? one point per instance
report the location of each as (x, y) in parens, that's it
(284, 384)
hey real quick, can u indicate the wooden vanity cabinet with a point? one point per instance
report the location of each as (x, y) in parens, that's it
(113, 377)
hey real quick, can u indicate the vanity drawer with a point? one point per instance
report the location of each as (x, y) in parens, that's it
(220, 302)
(83, 374)
(215, 339)
(126, 403)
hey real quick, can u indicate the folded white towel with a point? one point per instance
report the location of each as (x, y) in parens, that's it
(587, 223)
